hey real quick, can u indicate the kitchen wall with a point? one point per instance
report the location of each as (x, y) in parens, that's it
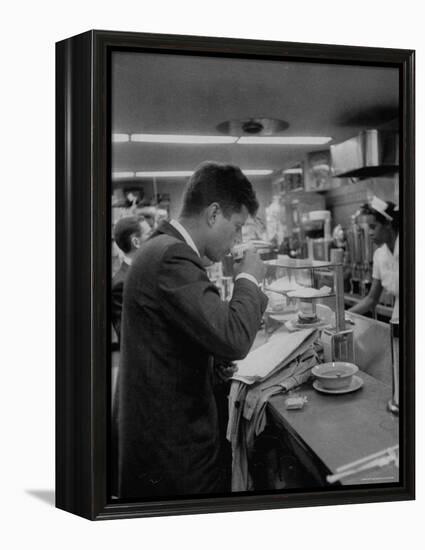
(344, 201)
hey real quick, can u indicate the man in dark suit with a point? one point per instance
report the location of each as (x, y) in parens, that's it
(174, 326)
(128, 237)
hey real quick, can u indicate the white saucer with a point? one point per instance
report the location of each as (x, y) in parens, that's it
(280, 316)
(292, 324)
(307, 294)
(356, 384)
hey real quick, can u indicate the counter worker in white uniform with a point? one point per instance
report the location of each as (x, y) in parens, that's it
(384, 230)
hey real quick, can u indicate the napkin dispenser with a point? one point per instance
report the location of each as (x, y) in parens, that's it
(338, 345)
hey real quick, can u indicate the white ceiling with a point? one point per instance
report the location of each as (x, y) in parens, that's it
(157, 93)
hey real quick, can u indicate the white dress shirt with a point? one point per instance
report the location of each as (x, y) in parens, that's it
(127, 260)
(184, 233)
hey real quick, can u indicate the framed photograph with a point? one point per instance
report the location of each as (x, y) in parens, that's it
(227, 337)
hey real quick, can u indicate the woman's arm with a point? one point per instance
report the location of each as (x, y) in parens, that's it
(370, 301)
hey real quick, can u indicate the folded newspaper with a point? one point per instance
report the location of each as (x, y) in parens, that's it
(267, 359)
(281, 364)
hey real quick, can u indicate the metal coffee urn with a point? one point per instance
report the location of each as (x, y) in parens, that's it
(393, 404)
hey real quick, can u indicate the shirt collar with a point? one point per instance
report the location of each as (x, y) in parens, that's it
(396, 247)
(395, 252)
(127, 260)
(178, 226)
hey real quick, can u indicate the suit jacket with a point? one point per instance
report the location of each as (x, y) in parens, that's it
(173, 322)
(117, 297)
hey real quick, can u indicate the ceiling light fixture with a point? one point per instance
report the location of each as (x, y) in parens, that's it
(293, 171)
(288, 140)
(177, 138)
(122, 175)
(120, 138)
(188, 173)
(257, 172)
(220, 140)
(253, 126)
(165, 174)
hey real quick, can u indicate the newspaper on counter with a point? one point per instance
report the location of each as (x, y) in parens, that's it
(281, 364)
(281, 349)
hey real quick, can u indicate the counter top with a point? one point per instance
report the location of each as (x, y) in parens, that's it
(338, 429)
(381, 309)
(372, 346)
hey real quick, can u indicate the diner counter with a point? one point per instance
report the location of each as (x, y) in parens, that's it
(380, 309)
(372, 345)
(335, 430)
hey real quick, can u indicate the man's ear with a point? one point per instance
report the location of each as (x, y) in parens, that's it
(135, 241)
(212, 212)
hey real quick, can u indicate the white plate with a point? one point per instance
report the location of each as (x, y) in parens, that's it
(356, 384)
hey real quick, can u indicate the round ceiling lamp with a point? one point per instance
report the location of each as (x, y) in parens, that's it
(253, 127)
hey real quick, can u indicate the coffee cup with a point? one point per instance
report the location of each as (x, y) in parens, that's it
(239, 250)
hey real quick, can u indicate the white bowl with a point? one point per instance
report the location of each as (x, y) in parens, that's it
(335, 375)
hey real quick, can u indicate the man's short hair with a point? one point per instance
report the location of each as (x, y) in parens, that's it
(146, 211)
(124, 229)
(221, 183)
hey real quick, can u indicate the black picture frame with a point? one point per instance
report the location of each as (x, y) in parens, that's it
(82, 270)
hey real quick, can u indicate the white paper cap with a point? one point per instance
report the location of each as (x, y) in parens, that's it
(380, 206)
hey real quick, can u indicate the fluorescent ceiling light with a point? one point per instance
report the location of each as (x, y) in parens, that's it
(324, 167)
(120, 138)
(293, 171)
(176, 138)
(217, 140)
(165, 174)
(188, 173)
(257, 172)
(120, 175)
(288, 140)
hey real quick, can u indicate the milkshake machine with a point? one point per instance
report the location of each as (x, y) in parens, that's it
(317, 230)
(360, 249)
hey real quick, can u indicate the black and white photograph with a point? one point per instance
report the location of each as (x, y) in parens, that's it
(254, 301)
(212, 270)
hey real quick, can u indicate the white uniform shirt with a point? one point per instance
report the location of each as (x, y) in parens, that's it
(386, 269)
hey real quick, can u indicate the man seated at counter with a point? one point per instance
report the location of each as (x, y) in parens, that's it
(384, 230)
(174, 325)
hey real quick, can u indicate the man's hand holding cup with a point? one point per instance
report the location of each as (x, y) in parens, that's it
(248, 261)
